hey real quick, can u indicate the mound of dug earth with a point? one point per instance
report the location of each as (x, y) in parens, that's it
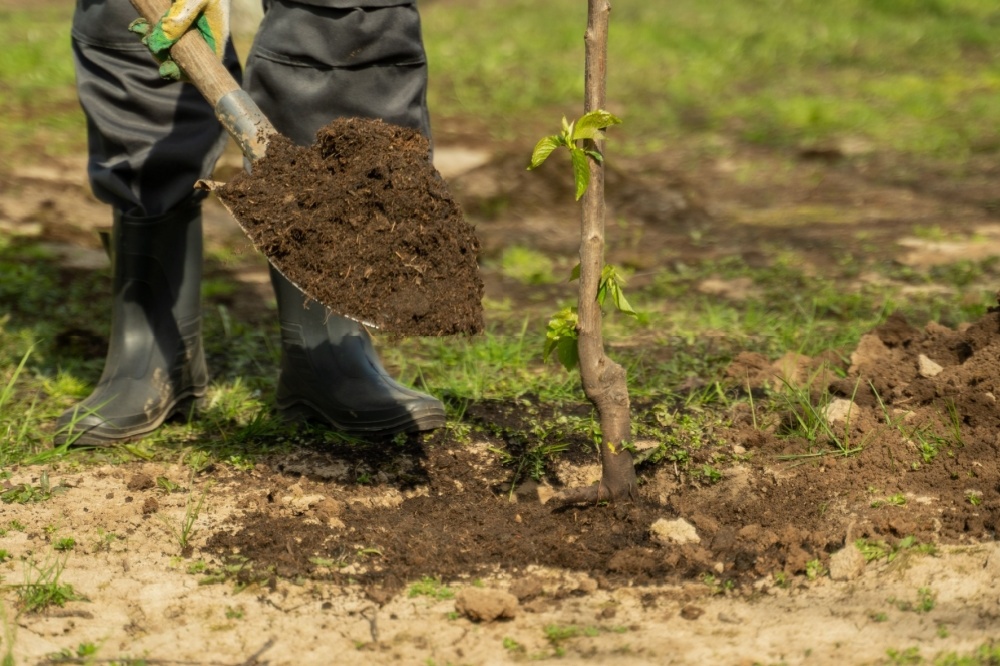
(362, 222)
(910, 460)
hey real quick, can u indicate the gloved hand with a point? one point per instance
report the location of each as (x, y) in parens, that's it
(209, 17)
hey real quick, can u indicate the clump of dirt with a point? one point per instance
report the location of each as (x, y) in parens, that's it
(362, 222)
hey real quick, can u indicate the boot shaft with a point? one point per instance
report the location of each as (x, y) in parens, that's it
(155, 364)
(156, 296)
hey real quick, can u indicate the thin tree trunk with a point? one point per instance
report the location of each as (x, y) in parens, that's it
(604, 381)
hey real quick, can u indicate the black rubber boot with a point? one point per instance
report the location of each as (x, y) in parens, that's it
(156, 364)
(331, 372)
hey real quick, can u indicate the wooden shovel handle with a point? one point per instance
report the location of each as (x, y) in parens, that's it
(193, 55)
(244, 121)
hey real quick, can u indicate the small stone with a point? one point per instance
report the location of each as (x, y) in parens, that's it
(692, 612)
(840, 409)
(928, 368)
(587, 585)
(526, 589)
(545, 493)
(486, 605)
(847, 563)
(677, 531)
(299, 503)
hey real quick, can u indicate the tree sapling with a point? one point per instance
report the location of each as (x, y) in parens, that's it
(575, 335)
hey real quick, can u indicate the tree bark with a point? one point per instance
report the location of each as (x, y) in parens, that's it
(604, 381)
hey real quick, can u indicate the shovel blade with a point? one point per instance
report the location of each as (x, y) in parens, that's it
(211, 186)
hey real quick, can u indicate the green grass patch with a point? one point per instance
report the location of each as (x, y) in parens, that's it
(42, 587)
(912, 76)
(38, 103)
(916, 77)
(432, 588)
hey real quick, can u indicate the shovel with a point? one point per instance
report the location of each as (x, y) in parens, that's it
(252, 131)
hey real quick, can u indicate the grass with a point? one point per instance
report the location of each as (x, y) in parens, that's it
(42, 587)
(813, 422)
(26, 493)
(38, 101)
(237, 427)
(430, 587)
(918, 78)
(913, 77)
(924, 602)
(532, 463)
(184, 530)
(9, 631)
(529, 266)
(875, 550)
(15, 430)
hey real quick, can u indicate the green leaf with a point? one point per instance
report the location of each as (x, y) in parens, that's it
(569, 352)
(611, 283)
(561, 337)
(543, 149)
(579, 134)
(575, 273)
(590, 125)
(618, 296)
(608, 276)
(581, 171)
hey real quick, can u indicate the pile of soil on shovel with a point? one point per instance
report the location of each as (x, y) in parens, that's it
(362, 222)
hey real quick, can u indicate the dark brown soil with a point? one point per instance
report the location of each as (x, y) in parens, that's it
(922, 463)
(362, 222)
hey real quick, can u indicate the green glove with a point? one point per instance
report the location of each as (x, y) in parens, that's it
(209, 17)
(168, 68)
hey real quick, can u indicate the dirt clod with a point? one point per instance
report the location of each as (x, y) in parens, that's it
(140, 481)
(486, 605)
(691, 612)
(526, 589)
(847, 564)
(362, 222)
(150, 505)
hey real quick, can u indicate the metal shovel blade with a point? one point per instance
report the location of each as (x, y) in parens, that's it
(212, 186)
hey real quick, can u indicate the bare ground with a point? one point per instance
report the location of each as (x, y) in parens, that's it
(311, 557)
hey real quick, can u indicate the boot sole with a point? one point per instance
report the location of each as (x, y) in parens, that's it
(304, 411)
(186, 404)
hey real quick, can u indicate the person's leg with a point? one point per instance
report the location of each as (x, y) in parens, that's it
(308, 66)
(149, 140)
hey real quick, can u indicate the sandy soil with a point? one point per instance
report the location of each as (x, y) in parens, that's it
(143, 600)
